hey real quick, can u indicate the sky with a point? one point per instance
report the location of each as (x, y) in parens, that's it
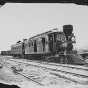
(18, 21)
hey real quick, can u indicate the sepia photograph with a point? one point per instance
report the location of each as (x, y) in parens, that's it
(43, 44)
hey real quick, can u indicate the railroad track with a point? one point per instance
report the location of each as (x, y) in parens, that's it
(25, 76)
(68, 68)
(29, 78)
(54, 70)
(55, 64)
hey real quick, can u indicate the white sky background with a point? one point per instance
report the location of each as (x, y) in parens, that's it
(18, 21)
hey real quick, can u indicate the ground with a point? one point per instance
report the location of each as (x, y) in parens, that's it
(42, 77)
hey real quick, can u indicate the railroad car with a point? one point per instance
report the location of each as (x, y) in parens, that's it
(44, 44)
(16, 49)
(8, 52)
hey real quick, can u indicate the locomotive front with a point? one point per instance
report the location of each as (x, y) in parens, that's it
(65, 40)
(67, 54)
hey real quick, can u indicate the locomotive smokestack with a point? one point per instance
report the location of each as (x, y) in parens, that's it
(67, 29)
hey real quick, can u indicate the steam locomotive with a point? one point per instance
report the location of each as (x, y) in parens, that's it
(53, 46)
